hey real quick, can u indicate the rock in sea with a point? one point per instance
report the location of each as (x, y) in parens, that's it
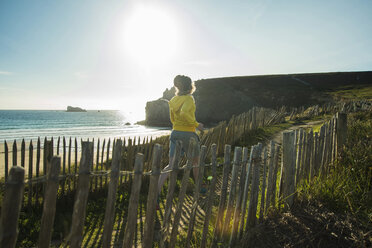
(75, 109)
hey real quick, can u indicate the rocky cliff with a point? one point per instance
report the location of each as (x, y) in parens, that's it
(219, 98)
(157, 113)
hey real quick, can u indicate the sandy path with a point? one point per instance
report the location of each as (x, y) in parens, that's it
(278, 137)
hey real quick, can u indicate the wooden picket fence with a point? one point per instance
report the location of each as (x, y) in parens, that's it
(230, 132)
(34, 160)
(250, 178)
(71, 153)
(329, 108)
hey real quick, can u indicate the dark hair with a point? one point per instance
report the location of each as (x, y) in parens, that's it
(184, 85)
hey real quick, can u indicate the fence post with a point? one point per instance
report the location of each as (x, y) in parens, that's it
(152, 197)
(49, 208)
(314, 156)
(299, 155)
(23, 153)
(333, 138)
(304, 157)
(181, 195)
(111, 196)
(310, 154)
(324, 150)
(108, 156)
(263, 188)
(58, 140)
(133, 202)
(320, 150)
(81, 196)
(288, 167)
(276, 167)
(14, 153)
(97, 164)
(221, 139)
(253, 126)
(107, 165)
(245, 193)
(270, 176)
(341, 132)
(169, 200)
(329, 146)
(198, 183)
(11, 207)
(238, 206)
(212, 189)
(102, 157)
(30, 172)
(232, 193)
(252, 209)
(63, 163)
(222, 204)
(38, 148)
(6, 160)
(48, 154)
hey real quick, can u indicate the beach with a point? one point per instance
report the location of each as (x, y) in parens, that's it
(34, 142)
(30, 124)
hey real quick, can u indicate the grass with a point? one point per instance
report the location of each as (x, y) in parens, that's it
(30, 220)
(352, 92)
(262, 134)
(347, 188)
(30, 217)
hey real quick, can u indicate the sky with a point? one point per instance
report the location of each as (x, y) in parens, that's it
(121, 54)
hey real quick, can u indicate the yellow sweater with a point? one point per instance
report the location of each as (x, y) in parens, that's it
(182, 113)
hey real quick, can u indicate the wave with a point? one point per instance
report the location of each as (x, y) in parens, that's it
(81, 132)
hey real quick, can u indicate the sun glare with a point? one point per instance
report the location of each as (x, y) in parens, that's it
(150, 35)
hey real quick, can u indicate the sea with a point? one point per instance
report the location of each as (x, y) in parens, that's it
(31, 124)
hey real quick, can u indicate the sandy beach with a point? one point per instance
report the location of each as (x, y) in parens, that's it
(34, 142)
(27, 155)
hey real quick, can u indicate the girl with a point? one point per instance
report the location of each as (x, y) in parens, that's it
(182, 116)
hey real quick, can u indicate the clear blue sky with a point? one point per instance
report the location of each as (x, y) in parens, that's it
(120, 54)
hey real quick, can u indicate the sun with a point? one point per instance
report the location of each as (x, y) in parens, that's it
(150, 35)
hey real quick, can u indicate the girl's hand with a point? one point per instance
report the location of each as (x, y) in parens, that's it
(200, 127)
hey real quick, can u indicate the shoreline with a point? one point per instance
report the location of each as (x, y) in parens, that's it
(85, 133)
(34, 143)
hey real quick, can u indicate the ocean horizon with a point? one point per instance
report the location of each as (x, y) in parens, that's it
(31, 124)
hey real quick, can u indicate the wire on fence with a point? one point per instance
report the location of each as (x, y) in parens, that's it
(39, 179)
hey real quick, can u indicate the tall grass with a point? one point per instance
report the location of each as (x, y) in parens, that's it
(347, 188)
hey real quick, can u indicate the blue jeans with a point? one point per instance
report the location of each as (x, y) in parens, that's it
(185, 138)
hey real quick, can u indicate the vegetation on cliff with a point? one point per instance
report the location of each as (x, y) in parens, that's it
(218, 99)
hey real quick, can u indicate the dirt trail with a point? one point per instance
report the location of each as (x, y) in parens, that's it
(278, 137)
